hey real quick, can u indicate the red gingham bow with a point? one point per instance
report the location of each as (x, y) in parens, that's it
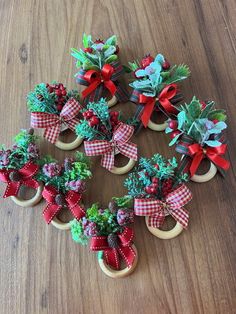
(52, 209)
(114, 255)
(119, 144)
(26, 174)
(53, 122)
(171, 205)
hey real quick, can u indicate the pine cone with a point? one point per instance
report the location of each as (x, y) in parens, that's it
(113, 207)
(30, 131)
(112, 240)
(60, 199)
(15, 176)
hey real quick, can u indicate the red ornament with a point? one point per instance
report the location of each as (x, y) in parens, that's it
(146, 61)
(156, 166)
(215, 121)
(175, 133)
(165, 65)
(173, 124)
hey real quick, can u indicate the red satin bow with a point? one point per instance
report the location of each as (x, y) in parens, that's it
(95, 78)
(53, 122)
(164, 97)
(26, 174)
(119, 144)
(213, 153)
(52, 209)
(171, 205)
(113, 256)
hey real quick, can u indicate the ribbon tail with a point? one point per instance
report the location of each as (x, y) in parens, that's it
(88, 90)
(107, 160)
(147, 112)
(77, 211)
(50, 212)
(195, 163)
(31, 183)
(156, 220)
(12, 189)
(52, 133)
(181, 215)
(128, 255)
(110, 86)
(112, 258)
(129, 150)
(219, 161)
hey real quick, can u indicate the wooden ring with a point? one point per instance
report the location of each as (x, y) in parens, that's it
(201, 178)
(118, 273)
(124, 169)
(157, 127)
(69, 146)
(57, 223)
(165, 234)
(31, 202)
(112, 102)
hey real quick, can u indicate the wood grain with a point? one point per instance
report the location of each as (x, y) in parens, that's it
(41, 269)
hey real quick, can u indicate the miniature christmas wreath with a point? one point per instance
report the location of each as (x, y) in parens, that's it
(197, 134)
(64, 187)
(110, 235)
(19, 167)
(55, 109)
(100, 70)
(158, 190)
(107, 135)
(155, 88)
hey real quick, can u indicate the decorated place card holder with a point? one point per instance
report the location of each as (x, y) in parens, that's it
(55, 109)
(100, 70)
(18, 167)
(158, 192)
(197, 134)
(155, 88)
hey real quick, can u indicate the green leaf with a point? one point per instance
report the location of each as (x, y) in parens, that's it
(127, 69)
(213, 143)
(175, 139)
(168, 130)
(218, 115)
(111, 59)
(205, 112)
(100, 255)
(181, 119)
(194, 108)
(112, 41)
(85, 41)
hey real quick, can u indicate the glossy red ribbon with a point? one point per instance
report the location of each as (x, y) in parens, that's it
(164, 97)
(95, 78)
(52, 209)
(113, 256)
(26, 174)
(212, 153)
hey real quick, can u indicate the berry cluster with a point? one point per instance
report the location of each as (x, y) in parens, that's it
(94, 120)
(60, 91)
(98, 46)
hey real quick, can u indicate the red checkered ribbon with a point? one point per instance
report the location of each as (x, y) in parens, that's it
(156, 210)
(53, 122)
(25, 177)
(95, 78)
(52, 209)
(119, 144)
(113, 256)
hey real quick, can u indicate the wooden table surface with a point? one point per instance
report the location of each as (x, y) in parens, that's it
(41, 269)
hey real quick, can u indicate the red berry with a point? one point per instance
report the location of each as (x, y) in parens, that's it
(175, 133)
(89, 50)
(58, 92)
(155, 180)
(99, 41)
(165, 65)
(59, 107)
(146, 61)
(156, 166)
(215, 121)
(173, 124)
(94, 121)
(63, 92)
(203, 105)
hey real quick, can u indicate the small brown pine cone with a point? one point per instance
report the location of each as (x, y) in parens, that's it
(15, 176)
(113, 207)
(112, 240)
(60, 199)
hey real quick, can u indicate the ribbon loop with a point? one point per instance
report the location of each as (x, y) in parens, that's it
(53, 122)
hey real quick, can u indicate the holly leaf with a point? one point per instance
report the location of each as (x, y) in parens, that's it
(205, 112)
(111, 41)
(85, 41)
(175, 139)
(218, 127)
(111, 59)
(181, 119)
(213, 143)
(140, 73)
